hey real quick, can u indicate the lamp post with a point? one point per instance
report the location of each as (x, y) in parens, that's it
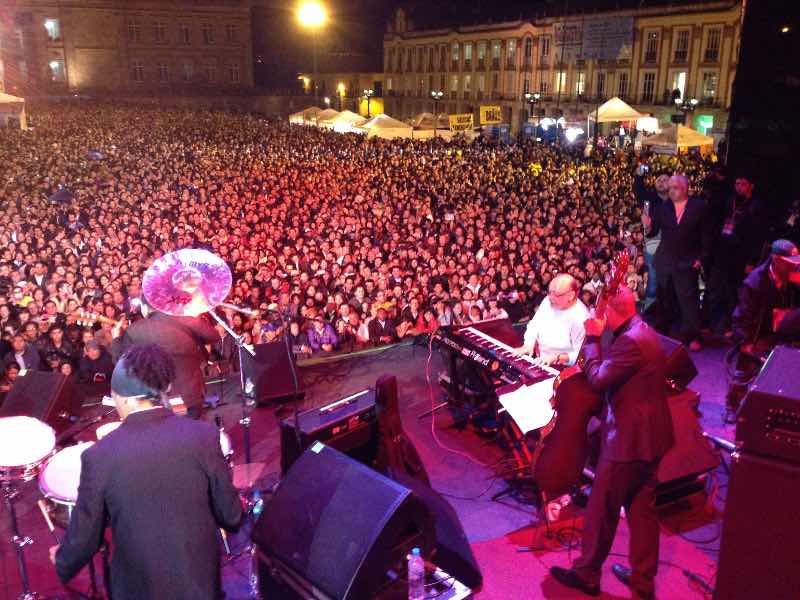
(437, 95)
(340, 89)
(533, 100)
(312, 15)
(686, 106)
(368, 93)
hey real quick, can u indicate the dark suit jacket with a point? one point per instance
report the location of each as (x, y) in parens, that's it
(758, 297)
(638, 424)
(164, 486)
(377, 331)
(184, 339)
(681, 243)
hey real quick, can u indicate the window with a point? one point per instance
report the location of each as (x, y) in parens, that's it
(528, 51)
(188, 71)
(23, 70)
(481, 53)
(651, 47)
(160, 32)
(185, 34)
(481, 82)
(454, 83)
(208, 33)
(421, 86)
(231, 33)
(20, 35)
(137, 71)
(495, 82)
(497, 46)
(163, 72)
(53, 28)
(679, 84)
(712, 45)
(709, 86)
(388, 62)
(544, 87)
(622, 85)
(560, 82)
(600, 88)
(467, 84)
(682, 46)
(545, 47)
(648, 87)
(134, 31)
(454, 52)
(389, 84)
(233, 72)
(442, 58)
(526, 86)
(419, 59)
(57, 73)
(580, 83)
(511, 51)
(468, 54)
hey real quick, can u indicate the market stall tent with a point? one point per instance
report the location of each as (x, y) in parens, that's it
(384, 126)
(676, 139)
(344, 122)
(324, 116)
(305, 116)
(615, 110)
(12, 111)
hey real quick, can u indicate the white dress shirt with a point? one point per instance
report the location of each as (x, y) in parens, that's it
(557, 331)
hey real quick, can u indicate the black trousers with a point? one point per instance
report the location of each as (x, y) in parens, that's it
(618, 484)
(678, 299)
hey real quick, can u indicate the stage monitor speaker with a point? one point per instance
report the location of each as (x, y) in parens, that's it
(769, 420)
(49, 397)
(336, 527)
(758, 552)
(681, 370)
(270, 372)
(691, 454)
(350, 425)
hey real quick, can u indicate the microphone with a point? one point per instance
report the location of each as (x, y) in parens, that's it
(720, 443)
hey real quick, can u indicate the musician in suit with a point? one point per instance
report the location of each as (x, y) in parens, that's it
(636, 432)
(163, 485)
(184, 339)
(685, 246)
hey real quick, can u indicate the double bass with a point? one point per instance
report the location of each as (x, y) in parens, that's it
(564, 444)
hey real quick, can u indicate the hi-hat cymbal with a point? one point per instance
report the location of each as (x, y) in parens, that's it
(187, 283)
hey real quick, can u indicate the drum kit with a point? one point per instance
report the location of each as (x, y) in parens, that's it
(183, 283)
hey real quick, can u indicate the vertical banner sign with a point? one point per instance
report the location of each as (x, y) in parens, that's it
(462, 122)
(491, 115)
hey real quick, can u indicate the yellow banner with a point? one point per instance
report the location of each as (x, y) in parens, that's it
(491, 115)
(461, 122)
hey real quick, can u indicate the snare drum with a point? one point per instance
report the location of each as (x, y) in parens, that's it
(25, 443)
(59, 481)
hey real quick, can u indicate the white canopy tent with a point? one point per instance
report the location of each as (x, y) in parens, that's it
(648, 124)
(324, 116)
(676, 139)
(305, 116)
(12, 111)
(344, 122)
(426, 120)
(384, 126)
(615, 110)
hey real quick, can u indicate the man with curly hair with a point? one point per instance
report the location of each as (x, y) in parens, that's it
(163, 485)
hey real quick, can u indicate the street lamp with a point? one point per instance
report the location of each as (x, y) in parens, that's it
(437, 95)
(312, 15)
(340, 89)
(686, 106)
(369, 93)
(532, 100)
(327, 101)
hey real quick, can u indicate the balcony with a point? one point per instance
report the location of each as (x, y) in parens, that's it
(481, 64)
(495, 64)
(511, 65)
(467, 95)
(467, 64)
(680, 57)
(650, 57)
(711, 55)
(454, 95)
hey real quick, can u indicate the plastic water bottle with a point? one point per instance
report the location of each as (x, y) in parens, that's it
(416, 576)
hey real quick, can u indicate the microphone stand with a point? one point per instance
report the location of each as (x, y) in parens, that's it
(241, 348)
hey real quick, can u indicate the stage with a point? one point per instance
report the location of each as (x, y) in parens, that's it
(497, 530)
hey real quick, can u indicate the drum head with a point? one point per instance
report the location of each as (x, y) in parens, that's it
(24, 441)
(60, 477)
(106, 428)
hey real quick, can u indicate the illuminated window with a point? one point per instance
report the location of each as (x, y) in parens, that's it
(53, 28)
(560, 82)
(580, 83)
(57, 73)
(709, 85)
(648, 87)
(545, 41)
(651, 47)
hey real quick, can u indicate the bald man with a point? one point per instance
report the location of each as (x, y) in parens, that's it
(555, 333)
(636, 432)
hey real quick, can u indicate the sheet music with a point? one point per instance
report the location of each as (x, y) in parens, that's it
(529, 405)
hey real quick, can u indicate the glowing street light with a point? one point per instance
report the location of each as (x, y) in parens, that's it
(340, 89)
(368, 94)
(312, 15)
(437, 96)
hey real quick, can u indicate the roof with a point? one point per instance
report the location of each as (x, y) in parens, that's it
(615, 110)
(680, 136)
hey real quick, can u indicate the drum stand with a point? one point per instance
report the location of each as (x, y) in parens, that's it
(10, 493)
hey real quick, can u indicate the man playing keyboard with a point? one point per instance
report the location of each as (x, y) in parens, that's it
(555, 333)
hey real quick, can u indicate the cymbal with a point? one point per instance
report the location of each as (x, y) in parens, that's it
(187, 283)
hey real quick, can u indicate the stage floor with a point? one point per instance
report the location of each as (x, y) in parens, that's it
(456, 462)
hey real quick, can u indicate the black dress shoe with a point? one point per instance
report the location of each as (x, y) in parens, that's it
(570, 578)
(624, 575)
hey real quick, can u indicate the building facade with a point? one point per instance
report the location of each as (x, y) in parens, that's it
(345, 91)
(71, 46)
(648, 57)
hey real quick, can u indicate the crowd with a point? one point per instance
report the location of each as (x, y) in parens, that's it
(361, 242)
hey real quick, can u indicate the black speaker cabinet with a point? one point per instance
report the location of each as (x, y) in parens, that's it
(334, 528)
(760, 531)
(681, 369)
(269, 373)
(46, 396)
